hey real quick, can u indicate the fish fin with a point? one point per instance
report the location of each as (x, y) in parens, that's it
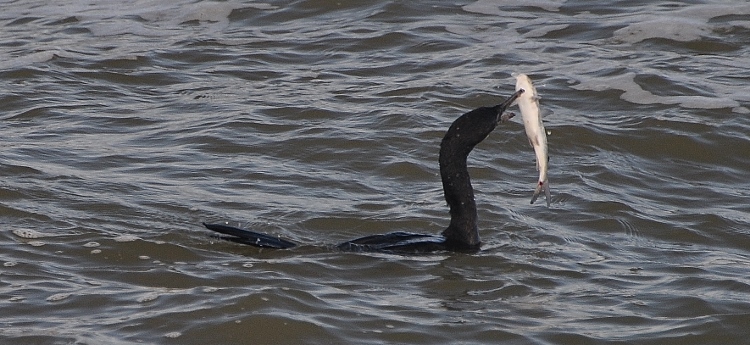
(541, 186)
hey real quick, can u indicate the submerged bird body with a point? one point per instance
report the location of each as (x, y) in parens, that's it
(461, 234)
(528, 103)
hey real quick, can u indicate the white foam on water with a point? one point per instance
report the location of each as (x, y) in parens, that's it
(634, 93)
(58, 297)
(148, 297)
(28, 233)
(173, 335)
(676, 29)
(691, 23)
(544, 30)
(262, 6)
(495, 7)
(126, 238)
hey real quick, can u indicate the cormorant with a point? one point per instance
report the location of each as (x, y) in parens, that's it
(460, 235)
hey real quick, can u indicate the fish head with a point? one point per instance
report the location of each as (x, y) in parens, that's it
(500, 108)
(523, 82)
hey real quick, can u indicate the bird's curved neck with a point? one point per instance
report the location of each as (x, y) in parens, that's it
(462, 232)
(466, 132)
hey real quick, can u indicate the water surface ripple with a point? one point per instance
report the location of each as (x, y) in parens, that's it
(128, 123)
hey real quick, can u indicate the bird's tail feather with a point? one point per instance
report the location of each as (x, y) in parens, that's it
(250, 237)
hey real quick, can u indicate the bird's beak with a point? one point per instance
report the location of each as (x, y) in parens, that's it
(508, 102)
(512, 99)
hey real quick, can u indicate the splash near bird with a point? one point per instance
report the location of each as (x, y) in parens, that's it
(528, 102)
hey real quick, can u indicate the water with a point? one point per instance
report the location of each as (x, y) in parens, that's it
(126, 124)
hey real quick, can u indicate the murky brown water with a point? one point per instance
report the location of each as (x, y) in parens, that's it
(126, 124)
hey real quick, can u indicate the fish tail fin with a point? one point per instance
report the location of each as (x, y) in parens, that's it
(541, 186)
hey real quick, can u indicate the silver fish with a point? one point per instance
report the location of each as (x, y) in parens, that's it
(528, 102)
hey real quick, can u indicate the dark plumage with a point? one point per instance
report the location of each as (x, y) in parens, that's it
(461, 235)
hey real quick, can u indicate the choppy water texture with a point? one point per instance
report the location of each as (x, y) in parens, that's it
(127, 123)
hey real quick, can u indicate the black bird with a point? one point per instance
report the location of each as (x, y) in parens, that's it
(461, 235)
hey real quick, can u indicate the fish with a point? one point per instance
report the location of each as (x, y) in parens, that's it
(528, 103)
